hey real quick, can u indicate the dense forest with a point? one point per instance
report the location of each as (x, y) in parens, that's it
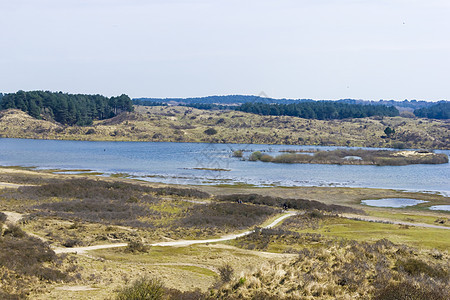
(321, 110)
(440, 110)
(69, 109)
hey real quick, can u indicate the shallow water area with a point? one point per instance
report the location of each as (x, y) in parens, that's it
(393, 202)
(440, 207)
(214, 164)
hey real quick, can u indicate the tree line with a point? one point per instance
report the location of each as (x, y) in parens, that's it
(241, 99)
(68, 109)
(440, 110)
(321, 110)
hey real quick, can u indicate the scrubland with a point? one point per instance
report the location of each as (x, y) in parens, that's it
(316, 254)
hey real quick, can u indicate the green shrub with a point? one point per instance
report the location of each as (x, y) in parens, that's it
(291, 158)
(72, 243)
(210, 131)
(266, 158)
(142, 289)
(255, 156)
(238, 153)
(136, 246)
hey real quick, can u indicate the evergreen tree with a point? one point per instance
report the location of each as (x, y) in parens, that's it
(67, 108)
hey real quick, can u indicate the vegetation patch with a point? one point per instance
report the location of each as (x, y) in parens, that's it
(340, 270)
(286, 203)
(26, 262)
(356, 157)
(226, 216)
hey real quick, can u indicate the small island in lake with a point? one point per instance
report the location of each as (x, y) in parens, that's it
(355, 157)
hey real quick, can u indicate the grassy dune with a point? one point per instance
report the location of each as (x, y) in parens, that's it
(182, 124)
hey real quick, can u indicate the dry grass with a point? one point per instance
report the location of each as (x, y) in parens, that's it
(343, 271)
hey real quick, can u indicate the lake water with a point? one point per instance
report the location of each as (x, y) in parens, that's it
(440, 207)
(392, 202)
(177, 163)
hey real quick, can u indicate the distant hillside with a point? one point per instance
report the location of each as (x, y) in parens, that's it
(409, 105)
(68, 109)
(186, 124)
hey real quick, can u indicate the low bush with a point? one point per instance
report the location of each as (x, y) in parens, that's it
(142, 289)
(210, 131)
(261, 239)
(266, 158)
(408, 290)
(287, 203)
(111, 203)
(355, 157)
(255, 156)
(238, 153)
(226, 216)
(72, 243)
(97, 211)
(99, 189)
(146, 288)
(3, 217)
(293, 158)
(136, 246)
(14, 231)
(226, 273)
(27, 255)
(417, 267)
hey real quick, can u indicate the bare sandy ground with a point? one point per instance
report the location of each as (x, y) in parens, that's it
(9, 185)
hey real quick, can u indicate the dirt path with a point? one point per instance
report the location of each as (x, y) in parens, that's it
(9, 185)
(384, 220)
(12, 217)
(174, 243)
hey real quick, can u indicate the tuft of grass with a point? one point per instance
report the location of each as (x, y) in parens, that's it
(142, 289)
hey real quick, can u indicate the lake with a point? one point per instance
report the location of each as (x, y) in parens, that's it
(392, 202)
(186, 163)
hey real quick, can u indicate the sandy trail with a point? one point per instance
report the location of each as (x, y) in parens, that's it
(182, 243)
(378, 219)
(12, 217)
(10, 185)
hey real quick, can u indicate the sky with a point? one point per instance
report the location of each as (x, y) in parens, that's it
(315, 49)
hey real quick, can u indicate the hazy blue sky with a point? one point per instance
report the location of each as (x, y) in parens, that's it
(320, 49)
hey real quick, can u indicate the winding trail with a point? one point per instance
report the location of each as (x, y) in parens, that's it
(14, 217)
(182, 243)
